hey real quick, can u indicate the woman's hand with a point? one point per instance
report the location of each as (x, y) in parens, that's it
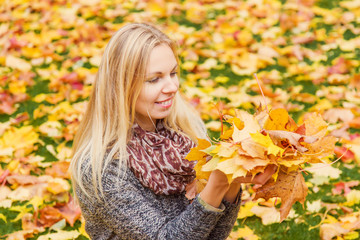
(218, 187)
(259, 180)
(215, 188)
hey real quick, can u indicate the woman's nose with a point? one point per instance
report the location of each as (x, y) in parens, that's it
(171, 84)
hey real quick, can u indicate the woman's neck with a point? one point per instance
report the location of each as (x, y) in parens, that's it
(147, 125)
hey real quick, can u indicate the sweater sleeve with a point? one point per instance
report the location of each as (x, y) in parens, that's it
(132, 213)
(227, 221)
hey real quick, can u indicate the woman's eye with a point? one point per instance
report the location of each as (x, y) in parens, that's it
(153, 80)
(173, 74)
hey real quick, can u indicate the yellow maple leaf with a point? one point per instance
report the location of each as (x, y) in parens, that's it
(231, 169)
(248, 163)
(323, 104)
(225, 149)
(227, 134)
(278, 118)
(245, 209)
(195, 153)
(210, 165)
(36, 202)
(268, 143)
(58, 185)
(251, 126)
(352, 198)
(237, 122)
(243, 233)
(268, 215)
(23, 210)
(227, 166)
(60, 235)
(19, 138)
(253, 149)
(17, 87)
(315, 125)
(198, 169)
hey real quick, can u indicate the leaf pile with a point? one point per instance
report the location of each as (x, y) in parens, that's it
(306, 53)
(255, 141)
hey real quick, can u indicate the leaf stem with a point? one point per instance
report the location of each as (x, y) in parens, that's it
(262, 93)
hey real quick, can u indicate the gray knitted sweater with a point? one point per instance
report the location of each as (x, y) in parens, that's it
(131, 211)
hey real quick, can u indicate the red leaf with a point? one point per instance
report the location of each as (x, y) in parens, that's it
(344, 186)
(345, 154)
(339, 67)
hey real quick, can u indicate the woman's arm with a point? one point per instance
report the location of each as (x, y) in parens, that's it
(232, 201)
(134, 213)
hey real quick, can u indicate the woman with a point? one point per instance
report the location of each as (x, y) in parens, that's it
(128, 166)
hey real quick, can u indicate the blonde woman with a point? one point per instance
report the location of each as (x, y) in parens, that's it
(128, 166)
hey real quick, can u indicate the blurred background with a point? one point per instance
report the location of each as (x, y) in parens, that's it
(306, 54)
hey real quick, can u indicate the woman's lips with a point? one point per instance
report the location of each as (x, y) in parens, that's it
(166, 103)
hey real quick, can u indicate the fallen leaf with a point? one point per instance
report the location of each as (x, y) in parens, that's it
(17, 63)
(290, 187)
(328, 231)
(60, 235)
(344, 187)
(268, 215)
(244, 233)
(338, 114)
(70, 211)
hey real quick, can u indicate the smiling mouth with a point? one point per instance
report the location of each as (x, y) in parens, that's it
(166, 103)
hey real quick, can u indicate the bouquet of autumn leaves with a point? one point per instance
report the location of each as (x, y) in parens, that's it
(255, 141)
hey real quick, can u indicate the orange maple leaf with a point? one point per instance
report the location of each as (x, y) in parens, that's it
(290, 187)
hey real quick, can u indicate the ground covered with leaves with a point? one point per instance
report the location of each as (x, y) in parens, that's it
(306, 53)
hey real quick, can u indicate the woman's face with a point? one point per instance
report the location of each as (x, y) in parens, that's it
(157, 95)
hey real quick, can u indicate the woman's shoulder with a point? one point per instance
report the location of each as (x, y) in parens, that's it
(112, 172)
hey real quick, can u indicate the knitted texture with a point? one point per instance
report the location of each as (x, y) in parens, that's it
(130, 211)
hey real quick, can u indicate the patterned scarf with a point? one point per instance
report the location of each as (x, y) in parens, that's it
(158, 159)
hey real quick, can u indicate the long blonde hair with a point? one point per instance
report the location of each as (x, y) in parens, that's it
(106, 126)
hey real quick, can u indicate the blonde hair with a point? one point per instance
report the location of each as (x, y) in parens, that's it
(106, 126)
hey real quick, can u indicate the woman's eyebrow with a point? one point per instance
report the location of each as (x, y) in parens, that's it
(158, 73)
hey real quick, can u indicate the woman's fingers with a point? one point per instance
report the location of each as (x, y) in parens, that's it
(262, 178)
(219, 178)
(259, 180)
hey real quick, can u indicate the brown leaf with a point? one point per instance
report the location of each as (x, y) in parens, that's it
(70, 211)
(49, 216)
(293, 138)
(59, 169)
(289, 187)
(321, 148)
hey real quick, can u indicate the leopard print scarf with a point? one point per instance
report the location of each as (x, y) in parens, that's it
(157, 159)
